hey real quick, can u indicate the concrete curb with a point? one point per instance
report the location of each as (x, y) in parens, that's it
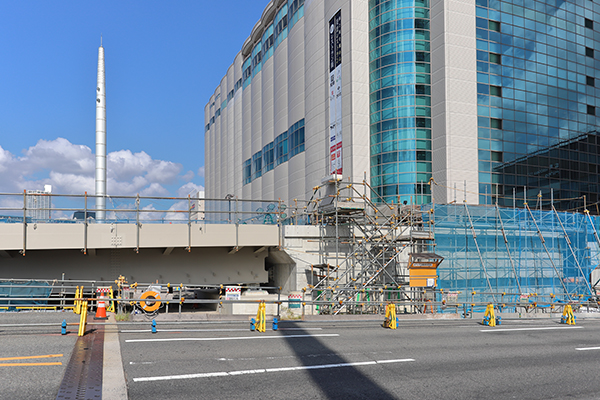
(114, 385)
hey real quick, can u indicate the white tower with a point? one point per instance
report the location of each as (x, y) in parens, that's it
(100, 138)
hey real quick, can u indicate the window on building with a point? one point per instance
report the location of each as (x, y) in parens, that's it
(238, 85)
(247, 171)
(496, 123)
(296, 138)
(590, 81)
(494, 26)
(257, 165)
(256, 59)
(421, 24)
(422, 89)
(495, 91)
(281, 24)
(591, 110)
(589, 23)
(589, 52)
(247, 74)
(495, 58)
(281, 148)
(295, 12)
(268, 157)
(267, 43)
(422, 56)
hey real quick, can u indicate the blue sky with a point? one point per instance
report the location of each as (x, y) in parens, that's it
(163, 61)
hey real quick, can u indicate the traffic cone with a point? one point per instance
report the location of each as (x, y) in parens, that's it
(101, 309)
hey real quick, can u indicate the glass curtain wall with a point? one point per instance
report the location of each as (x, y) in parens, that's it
(538, 99)
(400, 100)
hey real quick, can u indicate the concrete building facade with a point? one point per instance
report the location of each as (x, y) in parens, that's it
(496, 99)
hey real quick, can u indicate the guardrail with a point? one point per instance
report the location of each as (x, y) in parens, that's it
(60, 208)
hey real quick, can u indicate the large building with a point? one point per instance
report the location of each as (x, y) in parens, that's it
(487, 97)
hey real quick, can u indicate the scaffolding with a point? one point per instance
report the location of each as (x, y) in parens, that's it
(365, 246)
(439, 257)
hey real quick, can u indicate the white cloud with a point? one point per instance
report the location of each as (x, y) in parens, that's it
(189, 188)
(201, 171)
(70, 169)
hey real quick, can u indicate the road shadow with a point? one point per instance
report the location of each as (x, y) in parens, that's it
(346, 382)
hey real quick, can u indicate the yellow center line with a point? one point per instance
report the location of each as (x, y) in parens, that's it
(27, 357)
(28, 364)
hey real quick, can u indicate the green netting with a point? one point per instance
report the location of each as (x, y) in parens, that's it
(492, 250)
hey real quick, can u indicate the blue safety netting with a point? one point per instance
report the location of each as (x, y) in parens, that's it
(520, 252)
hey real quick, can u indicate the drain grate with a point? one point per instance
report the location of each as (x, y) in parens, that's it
(83, 376)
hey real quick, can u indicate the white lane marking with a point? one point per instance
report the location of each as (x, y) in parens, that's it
(530, 329)
(141, 362)
(587, 348)
(212, 330)
(230, 338)
(265, 370)
(320, 355)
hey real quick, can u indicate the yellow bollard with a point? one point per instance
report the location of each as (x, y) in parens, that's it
(390, 316)
(76, 305)
(568, 317)
(83, 319)
(261, 320)
(489, 318)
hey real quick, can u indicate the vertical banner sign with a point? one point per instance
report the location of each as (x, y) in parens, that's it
(335, 94)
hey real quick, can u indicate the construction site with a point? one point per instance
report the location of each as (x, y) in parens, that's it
(345, 251)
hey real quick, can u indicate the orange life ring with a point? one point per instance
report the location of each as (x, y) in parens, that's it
(150, 306)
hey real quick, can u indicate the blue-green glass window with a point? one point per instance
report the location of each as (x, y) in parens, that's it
(400, 106)
(296, 138)
(247, 171)
(268, 157)
(295, 12)
(267, 43)
(281, 148)
(247, 72)
(256, 59)
(281, 25)
(257, 165)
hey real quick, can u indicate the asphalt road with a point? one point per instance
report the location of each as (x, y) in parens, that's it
(532, 359)
(34, 355)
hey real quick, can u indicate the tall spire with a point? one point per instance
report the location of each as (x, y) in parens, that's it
(100, 137)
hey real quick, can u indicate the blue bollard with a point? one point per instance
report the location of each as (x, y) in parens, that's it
(252, 324)
(153, 326)
(63, 329)
(275, 327)
(498, 320)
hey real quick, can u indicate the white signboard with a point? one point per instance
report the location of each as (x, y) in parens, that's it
(335, 94)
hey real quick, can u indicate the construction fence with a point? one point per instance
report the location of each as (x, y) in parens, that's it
(513, 255)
